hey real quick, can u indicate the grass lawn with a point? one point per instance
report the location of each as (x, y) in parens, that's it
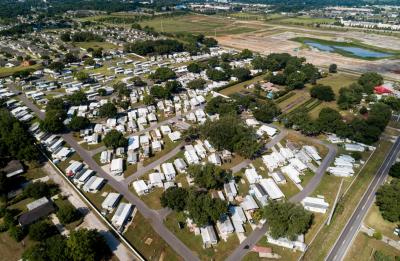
(364, 247)
(375, 220)
(243, 185)
(235, 161)
(4, 72)
(95, 45)
(152, 200)
(303, 20)
(140, 233)
(289, 189)
(21, 205)
(292, 102)
(195, 243)
(129, 169)
(303, 140)
(34, 173)
(167, 147)
(240, 86)
(328, 187)
(96, 198)
(338, 80)
(10, 249)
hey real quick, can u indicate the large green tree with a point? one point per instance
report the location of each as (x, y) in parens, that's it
(175, 198)
(322, 92)
(388, 200)
(115, 139)
(209, 176)
(286, 219)
(369, 80)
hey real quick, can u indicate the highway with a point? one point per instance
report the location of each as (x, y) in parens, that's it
(344, 241)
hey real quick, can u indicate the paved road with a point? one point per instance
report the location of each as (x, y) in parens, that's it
(154, 218)
(257, 234)
(343, 243)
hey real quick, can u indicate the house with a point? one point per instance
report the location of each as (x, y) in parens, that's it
(264, 129)
(273, 160)
(297, 244)
(105, 157)
(156, 146)
(180, 165)
(353, 147)
(140, 187)
(117, 166)
(208, 236)
(175, 136)
(238, 218)
(156, 179)
(249, 203)
(200, 150)
(225, 226)
(271, 188)
(111, 201)
(121, 215)
(259, 192)
(73, 168)
(215, 159)
(37, 210)
(190, 155)
(252, 175)
(312, 152)
(93, 184)
(82, 179)
(168, 170)
(292, 173)
(13, 168)
(132, 157)
(318, 205)
(278, 178)
(230, 190)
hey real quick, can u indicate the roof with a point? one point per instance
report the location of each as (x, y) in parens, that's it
(14, 167)
(381, 89)
(35, 214)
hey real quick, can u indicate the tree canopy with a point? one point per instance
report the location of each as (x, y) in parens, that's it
(370, 80)
(108, 110)
(196, 84)
(286, 219)
(209, 176)
(266, 112)
(322, 92)
(395, 170)
(388, 200)
(175, 198)
(163, 74)
(115, 139)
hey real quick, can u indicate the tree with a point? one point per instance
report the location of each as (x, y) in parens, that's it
(194, 68)
(57, 66)
(86, 244)
(81, 76)
(266, 112)
(163, 74)
(4, 184)
(370, 80)
(333, 68)
(108, 110)
(90, 61)
(322, 92)
(115, 139)
(137, 81)
(173, 86)
(286, 219)
(160, 92)
(67, 214)
(40, 189)
(149, 100)
(350, 96)
(174, 198)
(41, 230)
(209, 176)
(210, 42)
(221, 106)
(388, 200)
(296, 80)
(17, 233)
(205, 210)
(217, 75)
(241, 73)
(231, 134)
(121, 89)
(65, 37)
(395, 170)
(196, 84)
(77, 98)
(330, 120)
(102, 92)
(53, 121)
(245, 54)
(70, 58)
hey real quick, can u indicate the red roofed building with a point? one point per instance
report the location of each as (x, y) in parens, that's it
(264, 250)
(381, 90)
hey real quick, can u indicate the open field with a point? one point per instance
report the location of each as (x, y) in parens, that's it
(95, 45)
(364, 247)
(148, 242)
(4, 72)
(11, 250)
(301, 20)
(328, 234)
(208, 25)
(375, 220)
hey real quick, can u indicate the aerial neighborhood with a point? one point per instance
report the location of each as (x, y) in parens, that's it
(199, 131)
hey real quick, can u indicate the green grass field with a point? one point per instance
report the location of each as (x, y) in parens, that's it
(208, 25)
(301, 20)
(375, 220)
(95, 45)
(5, 72)
(364, 247)
(143, 237)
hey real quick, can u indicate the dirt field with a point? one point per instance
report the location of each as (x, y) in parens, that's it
(277, 39)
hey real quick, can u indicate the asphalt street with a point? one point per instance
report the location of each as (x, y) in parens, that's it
(344, 241)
